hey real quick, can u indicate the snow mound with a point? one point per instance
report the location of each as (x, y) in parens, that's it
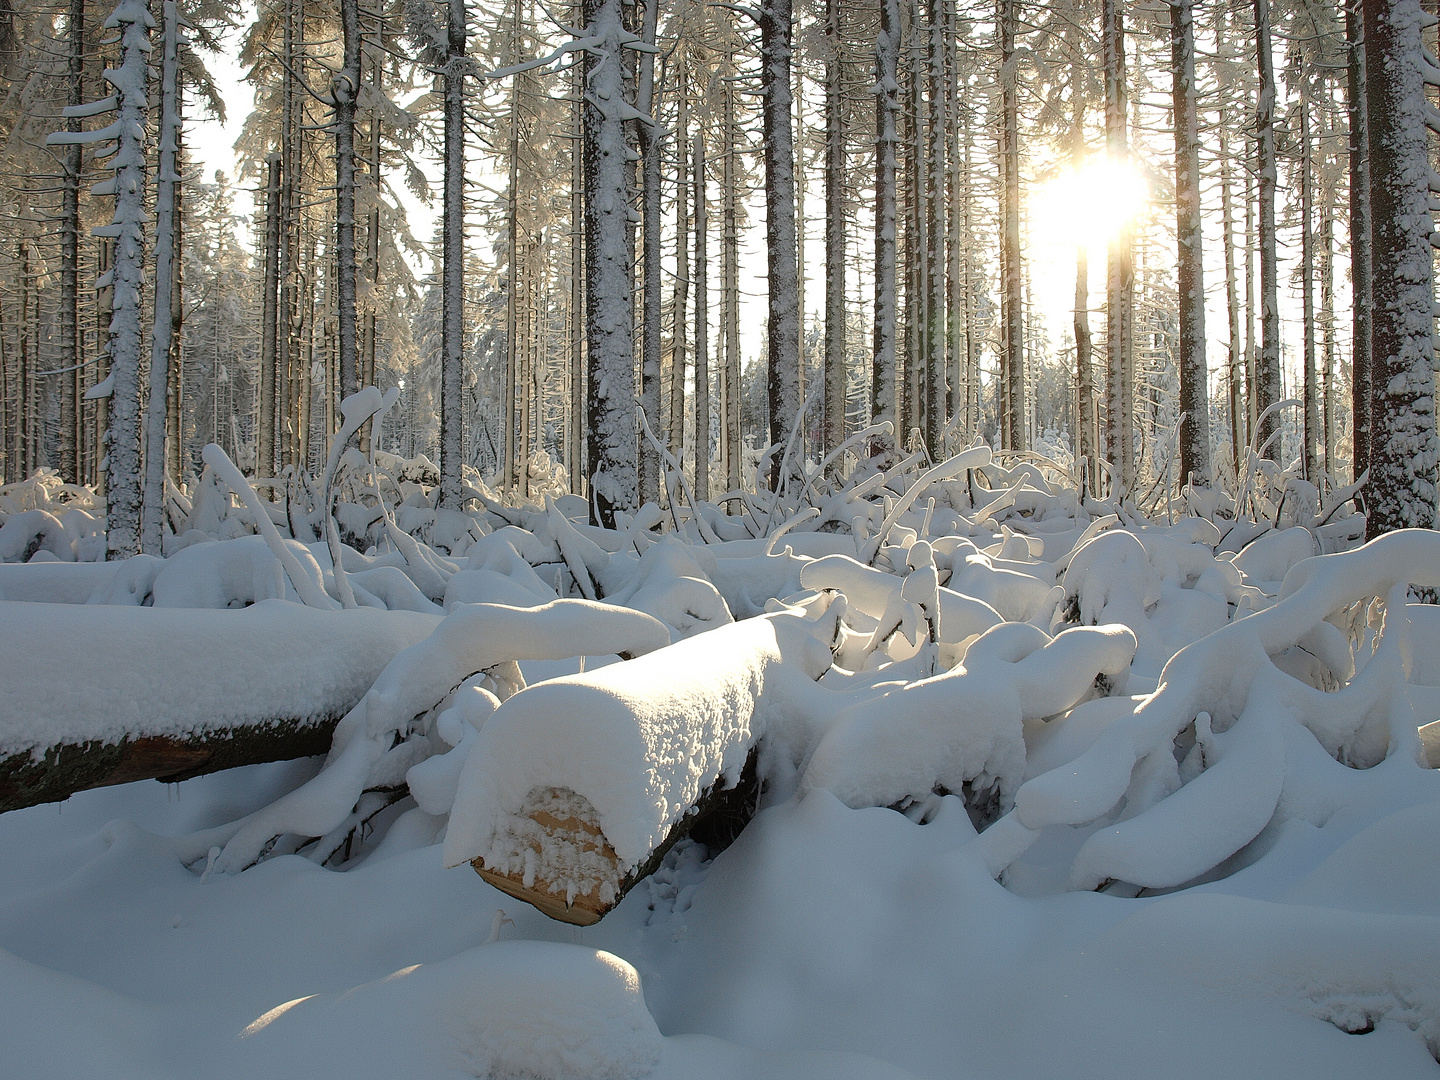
(965, 727)
(551, 1011)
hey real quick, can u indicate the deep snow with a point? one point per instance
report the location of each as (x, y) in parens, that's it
(1206, 821)
(827, 942)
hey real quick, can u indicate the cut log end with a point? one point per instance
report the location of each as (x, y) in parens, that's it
(559, 828)
(584, 910)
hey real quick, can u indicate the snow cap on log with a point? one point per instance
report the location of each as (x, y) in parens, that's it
(575, 782)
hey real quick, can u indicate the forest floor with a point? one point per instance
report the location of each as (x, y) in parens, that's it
(1207, 821)
(827, 942)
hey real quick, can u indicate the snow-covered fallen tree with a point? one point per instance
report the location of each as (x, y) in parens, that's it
(576, 788)
(106, 694)
(389, 730)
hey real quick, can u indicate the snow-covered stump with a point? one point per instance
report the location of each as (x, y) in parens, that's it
(174, 693)
(577, 787)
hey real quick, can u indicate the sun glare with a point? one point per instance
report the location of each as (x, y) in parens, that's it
(1089, 205)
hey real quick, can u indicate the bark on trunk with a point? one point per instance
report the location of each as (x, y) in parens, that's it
(1234, 366)
(834, 369)
(69, 314)
(609, 260)
(270, 324)
(783, 320)
(730, 296)
(1190, 284)
(702, 329)
(69, 768)
(1403, 447)
(1120, 272)
(1267, 389)
(649, 143)
(680, 297)
(162, 327)
(934, 329)
(575, 439)
(125, 479)
(452, 269)
(345, 91)
(1309, 383)
(1361, 304)
(1013, 360)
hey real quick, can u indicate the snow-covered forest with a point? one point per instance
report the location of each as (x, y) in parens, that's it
(688, 540)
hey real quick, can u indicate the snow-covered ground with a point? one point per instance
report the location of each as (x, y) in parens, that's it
(1206, 820)
(827, 942)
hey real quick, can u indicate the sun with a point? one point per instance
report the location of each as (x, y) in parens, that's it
(1089, 205)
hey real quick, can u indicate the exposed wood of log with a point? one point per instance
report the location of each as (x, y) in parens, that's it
(715, 820)
(1430, 742)
(68, 768)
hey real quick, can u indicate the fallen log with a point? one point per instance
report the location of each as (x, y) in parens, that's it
(715, 820)
(577, 787)
(97, 695)
(67, 768)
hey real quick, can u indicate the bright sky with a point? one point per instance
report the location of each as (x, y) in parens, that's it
(207, 140)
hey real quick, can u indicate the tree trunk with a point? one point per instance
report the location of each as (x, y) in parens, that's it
(680, 297)
(512, 408)
(1086, 428)
(934, 329)
(973, 281)
(1013, 360)
(609, 259)
(730, 294)
(69, 314)
(1084, 368)
(175, 383)
(1328, 184)
(270, 323)
(575, 441)
(452, 266)
(125, 479)
(783, 320)
(1267, 389)
(1309, 383)
(883, 384)
(835, 161)
(912, 169)
(954, 241)
(291, 137)
(1120, 271)
(1233, 366)
(1190, 284)
(345, 91)
(1361, 304)
(1403, 449)
(162, 328)
(702, 327)
(647, 136)
(69, 768)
